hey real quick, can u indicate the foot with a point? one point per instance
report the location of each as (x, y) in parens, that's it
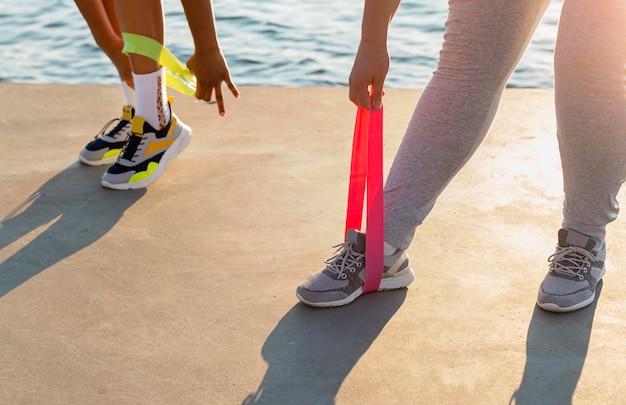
(107, 145)
(146, 154)
(341, 282)
(575, 269)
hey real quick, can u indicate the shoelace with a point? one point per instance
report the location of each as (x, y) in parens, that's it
(103, 132)
(343, 259)
(130, 147)
(571, 261)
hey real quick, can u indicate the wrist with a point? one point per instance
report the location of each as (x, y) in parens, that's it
(373, 40)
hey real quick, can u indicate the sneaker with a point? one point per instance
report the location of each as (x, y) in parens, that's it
(146, 154)
(575, 269)
(107, 145)
(341, 282)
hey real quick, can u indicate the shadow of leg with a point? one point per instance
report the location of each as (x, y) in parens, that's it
(311, 351)
(77, 211)
(556, 348)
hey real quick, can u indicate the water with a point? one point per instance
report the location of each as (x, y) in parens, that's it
(266, 43)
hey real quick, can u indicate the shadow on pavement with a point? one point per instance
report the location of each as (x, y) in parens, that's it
(556, 349)
(70, 211)
(312, 350)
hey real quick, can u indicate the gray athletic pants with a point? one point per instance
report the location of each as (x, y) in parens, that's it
(484, 40)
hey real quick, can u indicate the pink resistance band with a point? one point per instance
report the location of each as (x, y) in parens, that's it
(366, 168)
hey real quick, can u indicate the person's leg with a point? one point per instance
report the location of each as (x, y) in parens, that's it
(145, 17)
(102, 22)
(108, 142)
(483, 42)
(157, 135)
(590, 89)
(123, 66)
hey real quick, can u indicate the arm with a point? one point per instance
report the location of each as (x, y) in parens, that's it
(207, 63)
(371, 63)
(101, 19)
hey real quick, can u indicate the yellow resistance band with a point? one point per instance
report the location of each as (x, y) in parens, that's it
(179, 77)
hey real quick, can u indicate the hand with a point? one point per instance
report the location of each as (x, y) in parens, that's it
(121, 62)
(368, 75)
(211, 70)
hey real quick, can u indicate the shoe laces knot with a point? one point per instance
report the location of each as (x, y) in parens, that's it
(344, 259)
(572, 261)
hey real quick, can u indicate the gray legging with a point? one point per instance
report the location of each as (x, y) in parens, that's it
(484, 40)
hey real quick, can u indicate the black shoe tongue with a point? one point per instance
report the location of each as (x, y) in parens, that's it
(357, 240)
(573, 238)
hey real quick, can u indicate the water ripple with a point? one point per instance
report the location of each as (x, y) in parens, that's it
(269, 43)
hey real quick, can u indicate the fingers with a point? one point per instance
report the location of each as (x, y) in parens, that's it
(205, 93)
(376, 92)
(200, 91)
(367, 96)
(210, 76)
(233, 89)
(220, 100)
(360, 97)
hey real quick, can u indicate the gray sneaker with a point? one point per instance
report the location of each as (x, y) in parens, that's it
(575, 269)
(341, 282)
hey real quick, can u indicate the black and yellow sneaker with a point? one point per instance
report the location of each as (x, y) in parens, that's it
(107, 144)
(146, 154)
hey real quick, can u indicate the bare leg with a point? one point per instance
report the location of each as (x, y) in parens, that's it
(142, 17)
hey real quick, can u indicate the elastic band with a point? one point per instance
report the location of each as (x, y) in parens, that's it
(179, 77)
(366, 170)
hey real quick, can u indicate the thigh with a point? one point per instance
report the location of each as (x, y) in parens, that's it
(485, 39)
(590, 54)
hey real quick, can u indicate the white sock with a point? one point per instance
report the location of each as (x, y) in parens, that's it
(389, 249)
(129, 93)
(151, 93)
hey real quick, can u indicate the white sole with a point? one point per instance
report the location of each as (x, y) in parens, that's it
(392, 283)
(552, 307)
(102, 162)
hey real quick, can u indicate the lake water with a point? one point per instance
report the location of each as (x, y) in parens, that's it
(266, 42)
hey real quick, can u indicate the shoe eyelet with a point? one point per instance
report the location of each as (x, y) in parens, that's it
(352, 269)
(581, 277)
(359, 264)
(343, 276)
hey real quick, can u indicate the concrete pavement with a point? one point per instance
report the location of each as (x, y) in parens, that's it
(184, 293)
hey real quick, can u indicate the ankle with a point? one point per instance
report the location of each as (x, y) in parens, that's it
(151, 98)
(390, 249)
